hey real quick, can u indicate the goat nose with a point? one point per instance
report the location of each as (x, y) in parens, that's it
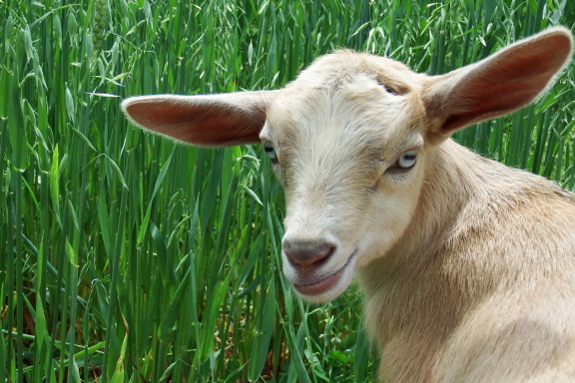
(306, 254)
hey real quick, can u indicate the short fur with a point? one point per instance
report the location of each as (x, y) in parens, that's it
(468, 266)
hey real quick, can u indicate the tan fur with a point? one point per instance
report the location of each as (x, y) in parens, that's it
(474, 303)
(468, 266)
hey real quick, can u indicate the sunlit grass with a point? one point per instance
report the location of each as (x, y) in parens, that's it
(129, 258)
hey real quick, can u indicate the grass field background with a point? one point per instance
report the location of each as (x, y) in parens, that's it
(127, 258)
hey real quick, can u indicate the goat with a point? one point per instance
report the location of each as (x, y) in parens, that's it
(467, 266)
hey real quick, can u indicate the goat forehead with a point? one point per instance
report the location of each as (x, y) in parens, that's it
(336, 117)
(342, 66)
(357, 116)
(326, 154)
(344, 85)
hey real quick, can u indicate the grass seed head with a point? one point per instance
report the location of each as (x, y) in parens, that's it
(98, 24)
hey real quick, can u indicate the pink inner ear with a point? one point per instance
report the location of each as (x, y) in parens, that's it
(503, 83)
(199, 124)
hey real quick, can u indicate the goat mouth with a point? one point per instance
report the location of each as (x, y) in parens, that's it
(326, 284)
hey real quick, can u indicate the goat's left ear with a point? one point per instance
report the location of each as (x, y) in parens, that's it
(504, 82)
(204, 120)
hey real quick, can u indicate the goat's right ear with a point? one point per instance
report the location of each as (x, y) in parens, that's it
(502, 83)
(204, 120)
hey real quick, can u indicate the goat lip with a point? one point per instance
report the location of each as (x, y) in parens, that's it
(320, 287)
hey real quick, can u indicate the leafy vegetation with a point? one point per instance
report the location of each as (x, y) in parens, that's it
(125, 257)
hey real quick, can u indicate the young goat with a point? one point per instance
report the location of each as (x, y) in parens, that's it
(468, 266)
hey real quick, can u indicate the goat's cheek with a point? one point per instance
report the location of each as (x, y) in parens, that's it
(390, 214)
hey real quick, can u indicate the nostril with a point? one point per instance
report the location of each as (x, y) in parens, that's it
(308, 254)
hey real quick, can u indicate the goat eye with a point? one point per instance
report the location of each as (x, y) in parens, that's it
(404, 163)
(271, 152)
(388, 90)
(407, 160)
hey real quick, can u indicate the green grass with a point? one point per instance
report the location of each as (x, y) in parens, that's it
(131, 259)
